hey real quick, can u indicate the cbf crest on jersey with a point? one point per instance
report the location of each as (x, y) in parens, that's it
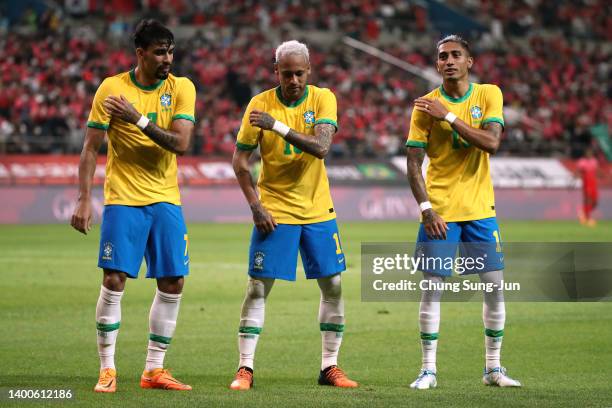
(309, 118)
(165, 100)
(476, 112)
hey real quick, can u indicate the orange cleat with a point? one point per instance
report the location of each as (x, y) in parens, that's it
(107, 381)
(243, 380)
(334, 376)
(162, 379)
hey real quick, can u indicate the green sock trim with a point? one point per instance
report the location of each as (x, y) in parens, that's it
(338, 328)
(249, 330)
(494, 333)
(108, 327)
(429, 336)
(160, 339)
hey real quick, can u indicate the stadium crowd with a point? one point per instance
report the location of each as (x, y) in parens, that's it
(557, 86)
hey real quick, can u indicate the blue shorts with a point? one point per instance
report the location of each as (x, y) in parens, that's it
(274, 255)
(480, 248)
(156, 231)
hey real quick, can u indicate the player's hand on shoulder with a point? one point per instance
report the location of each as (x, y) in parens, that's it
(81, 218)
(433, 107)
(264, 222)
(261, 119)
(435, 226)
(120, 107)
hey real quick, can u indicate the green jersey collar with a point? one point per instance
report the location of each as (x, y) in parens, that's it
(279, 95)
(141, 86)
(457, 100)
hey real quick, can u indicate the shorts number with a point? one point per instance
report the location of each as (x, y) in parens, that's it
(288, 147)
(458, 142)
(497, 241)
(338, 248)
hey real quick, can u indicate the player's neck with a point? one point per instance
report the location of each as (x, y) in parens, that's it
(456, 89)
(144, 80)
(290, 99)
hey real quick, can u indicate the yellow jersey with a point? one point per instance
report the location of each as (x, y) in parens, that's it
(458, 178)
(138, 171)
(293, 185)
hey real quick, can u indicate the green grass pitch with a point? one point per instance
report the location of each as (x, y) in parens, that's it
(562, 352)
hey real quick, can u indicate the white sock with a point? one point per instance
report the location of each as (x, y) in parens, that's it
(108, 320)
(162, 322)
(252, 319)
(331, 319)
(429, 323)
(494, 318)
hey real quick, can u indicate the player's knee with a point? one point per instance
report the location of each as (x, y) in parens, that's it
(171, 285)
(114, 280)
(256, 289)
(331, 287)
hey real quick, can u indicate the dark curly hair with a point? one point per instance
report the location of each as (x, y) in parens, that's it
(151, 31)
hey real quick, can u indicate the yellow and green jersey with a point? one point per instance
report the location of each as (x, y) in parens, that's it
(458, 178)
(293, 185)
(138, 171)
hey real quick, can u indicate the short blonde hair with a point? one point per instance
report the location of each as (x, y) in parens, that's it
(292, 47)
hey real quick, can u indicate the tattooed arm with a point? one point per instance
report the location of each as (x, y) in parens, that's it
(262, 219)
(177, 139)
(317, 146)
(434, 225)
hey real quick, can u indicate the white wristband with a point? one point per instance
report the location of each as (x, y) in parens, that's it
(142, 122)
(425, 205)
(280, 128)
(450, 117)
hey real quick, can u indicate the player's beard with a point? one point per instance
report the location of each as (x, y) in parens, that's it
(161, 73)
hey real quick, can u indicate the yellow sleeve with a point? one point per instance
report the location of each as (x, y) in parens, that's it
(494, 108)
(185, 101)
(420, 124)
(248, 136)
(327, 109)
(98, 118)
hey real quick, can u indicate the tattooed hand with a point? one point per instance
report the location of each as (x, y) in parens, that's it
(261, 120)
(121, 108)
(435, 226)
(264, 222)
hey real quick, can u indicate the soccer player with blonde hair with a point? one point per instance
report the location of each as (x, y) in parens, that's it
(293, 125)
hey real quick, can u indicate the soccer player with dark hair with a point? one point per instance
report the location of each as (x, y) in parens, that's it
(293, 126)
(458, 125)
(148, 116)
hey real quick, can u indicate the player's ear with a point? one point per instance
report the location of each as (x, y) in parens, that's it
(470, 62)
(308, 70)
(139, 52)
(439, 66)
(276, 68)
